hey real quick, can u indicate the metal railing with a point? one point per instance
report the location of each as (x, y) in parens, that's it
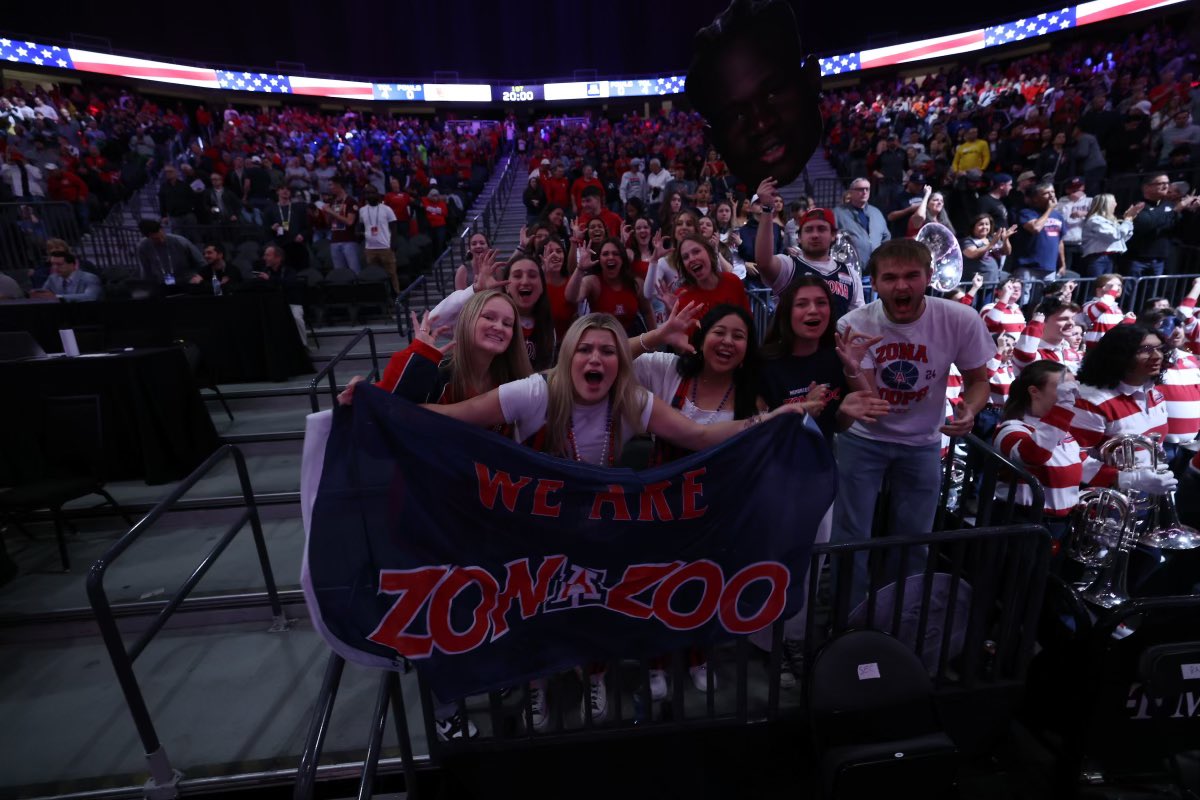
(1136, 292)
(163, 782)
(968, 608)
(327, 372)
(977, 474)
(25, 227)
(404, 307)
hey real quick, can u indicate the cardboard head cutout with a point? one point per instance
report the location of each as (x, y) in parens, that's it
(759, 92)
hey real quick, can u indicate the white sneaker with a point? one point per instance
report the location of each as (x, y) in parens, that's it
(596, 695)
(658, 684)
(452, 728)
(539, 706)
(699, 675)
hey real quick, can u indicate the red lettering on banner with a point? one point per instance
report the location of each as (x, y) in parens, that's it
(654, 503)
(520, 586)
(637, 579)
(541, 498)
(714, 581)
(615, 497)
(693, 491)
(413, 587)
(441, 628)
(503, 483)
(777, 575)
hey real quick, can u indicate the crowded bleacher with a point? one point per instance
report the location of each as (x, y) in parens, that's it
(982, 290)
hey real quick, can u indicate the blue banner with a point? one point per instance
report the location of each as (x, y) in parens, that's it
(486, 563)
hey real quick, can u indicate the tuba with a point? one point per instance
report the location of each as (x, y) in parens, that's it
(1162, 528)
(1102, 536)
(947, 255)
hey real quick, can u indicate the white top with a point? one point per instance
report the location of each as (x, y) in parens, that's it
(659, 269)
(1102, 235)
(1073, 232)
(657, 372)
(524, 405)
(912, 365)
(375, 221)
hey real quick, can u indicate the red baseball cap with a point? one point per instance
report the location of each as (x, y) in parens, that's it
(823, 214)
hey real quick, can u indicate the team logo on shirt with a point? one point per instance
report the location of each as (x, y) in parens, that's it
(901, 375)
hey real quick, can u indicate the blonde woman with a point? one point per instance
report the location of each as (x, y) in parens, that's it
(490, 350)
(1104, 236)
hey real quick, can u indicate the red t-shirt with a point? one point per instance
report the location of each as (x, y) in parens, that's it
(398, 202)
(435, 212)
(729, 290)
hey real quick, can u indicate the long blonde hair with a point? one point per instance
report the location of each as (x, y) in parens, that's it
(513, 364)
(1104, 205)
(628, 397)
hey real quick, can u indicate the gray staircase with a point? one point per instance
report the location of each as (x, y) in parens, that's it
(818, 178)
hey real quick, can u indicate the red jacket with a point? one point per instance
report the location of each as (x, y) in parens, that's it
(435, 211)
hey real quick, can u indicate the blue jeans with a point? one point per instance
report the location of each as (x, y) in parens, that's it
(1146, 266)
(345, 255)
(1096, 265)
(915, 476)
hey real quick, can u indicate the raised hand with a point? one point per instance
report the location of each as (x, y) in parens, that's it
(852, 347)
(977, 281)
(657, 241)
(766, 193)
(485, 273)
(423, 332)
(626, 232)
(524, 240)
(576, 232)
(666, 293)
(676, 331)
(864, 406)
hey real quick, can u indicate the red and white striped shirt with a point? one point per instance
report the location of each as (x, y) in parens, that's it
(1191, 324)
(1050, 454)
(1181, 388)
(1100, 414)
(1030, 348)
(954, 390)
(1102, 315)
(1003, 318)
(1000, 377)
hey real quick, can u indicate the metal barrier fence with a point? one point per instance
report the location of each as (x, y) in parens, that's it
(163, 782)
(327, 372)
(1137, 291)
(25, 227)
(968, 609)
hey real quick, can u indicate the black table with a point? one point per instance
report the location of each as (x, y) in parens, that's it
(244, 337)
(155, 423)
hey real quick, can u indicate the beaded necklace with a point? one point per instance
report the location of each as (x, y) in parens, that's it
(712, 415)
(608, 454)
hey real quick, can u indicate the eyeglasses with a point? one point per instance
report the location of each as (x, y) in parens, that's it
(1148, 350)
(860, 188)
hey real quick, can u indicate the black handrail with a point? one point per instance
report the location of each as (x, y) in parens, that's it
(403, 308)
(993, 462)
(164, 779)
(327, 370)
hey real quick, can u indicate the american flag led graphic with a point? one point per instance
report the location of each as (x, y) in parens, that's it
(254, 82)
(41, 55)
(1029, 28)
(837, 65)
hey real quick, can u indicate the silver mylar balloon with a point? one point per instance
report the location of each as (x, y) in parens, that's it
(947, 256)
